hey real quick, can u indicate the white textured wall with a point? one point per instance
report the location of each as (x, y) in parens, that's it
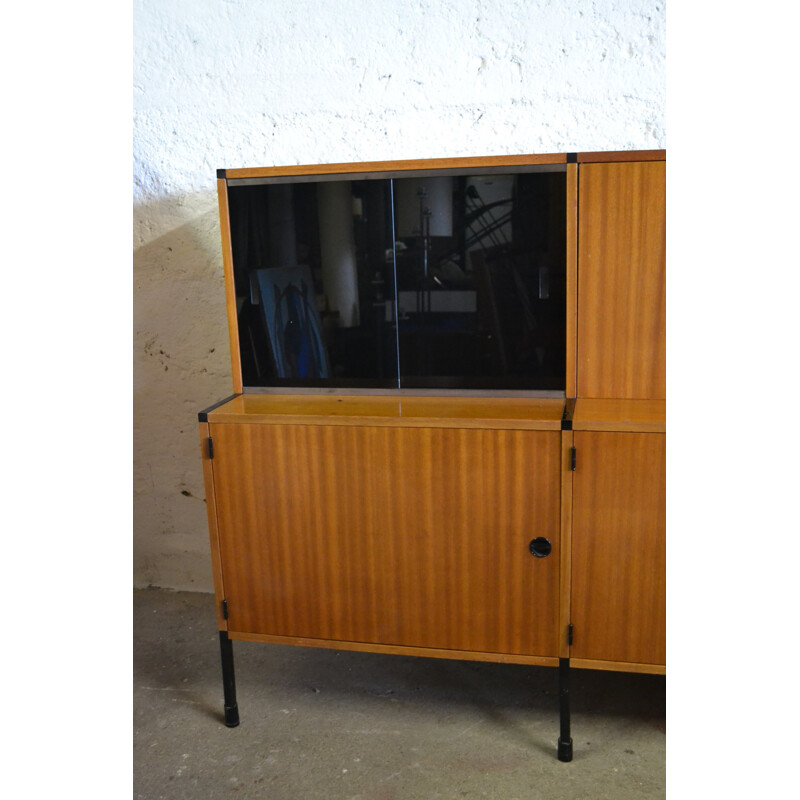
(236, 83)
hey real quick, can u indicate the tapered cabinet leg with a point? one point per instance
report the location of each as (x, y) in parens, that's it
(228, 680)
(564, 739)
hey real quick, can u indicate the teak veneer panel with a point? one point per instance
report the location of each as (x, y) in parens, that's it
(567, 440)
(211, 513)
(230, 289)
(615, 666)
(621, 155)
(400, 650)
(618, 606)
(621, 280)
(620, 415)
(443, 412)
(396, 166)
(571, 321)
(395, 536)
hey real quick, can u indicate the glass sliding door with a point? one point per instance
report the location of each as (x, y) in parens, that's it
(481, 280)
(408, 280)
(313, 267)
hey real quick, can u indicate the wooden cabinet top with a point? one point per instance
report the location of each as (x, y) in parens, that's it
(430, 164)
(445, 412)
(515, 413)
(620, 415)
(336, 281)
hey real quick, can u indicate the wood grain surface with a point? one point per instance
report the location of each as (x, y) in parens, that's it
(572, 281)
(622, 280)
(458, 412)
(618, 666)
(397, 166)
(400, 650)
(211, 513)
(396, 536)
(618, 607)
(565, 581)
(230, 287)
(620, 415)
(600, 156)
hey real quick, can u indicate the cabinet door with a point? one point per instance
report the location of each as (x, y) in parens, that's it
(400, 536)
(621, 280)
(618, 548)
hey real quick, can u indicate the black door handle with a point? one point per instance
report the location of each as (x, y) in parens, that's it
(540, 547)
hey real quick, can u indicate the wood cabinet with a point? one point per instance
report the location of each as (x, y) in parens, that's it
(447, 433)
(390, 535)
(621, 280)
(618, 551)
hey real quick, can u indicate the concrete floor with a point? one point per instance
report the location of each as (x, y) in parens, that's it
(328, 724)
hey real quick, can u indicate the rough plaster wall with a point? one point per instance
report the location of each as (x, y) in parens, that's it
(232, 83)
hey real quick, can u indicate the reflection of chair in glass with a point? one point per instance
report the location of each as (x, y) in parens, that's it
(486, 223)
(512, 280)
(504, 310)
(486, 226)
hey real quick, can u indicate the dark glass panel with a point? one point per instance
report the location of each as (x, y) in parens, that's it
(481, 272)
(313, 272)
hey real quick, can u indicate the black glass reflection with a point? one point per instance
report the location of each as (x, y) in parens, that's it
(481, 272)
(313, 269)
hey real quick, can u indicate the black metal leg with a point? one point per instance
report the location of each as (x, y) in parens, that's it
(564, 740)
(228, 680)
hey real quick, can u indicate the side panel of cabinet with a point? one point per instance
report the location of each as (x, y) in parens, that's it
(618, 607)
(403, 536)
(621, 280)
(230, 289)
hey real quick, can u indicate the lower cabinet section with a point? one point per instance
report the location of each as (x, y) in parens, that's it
(416, 536)
(487, 530)
(618, 605)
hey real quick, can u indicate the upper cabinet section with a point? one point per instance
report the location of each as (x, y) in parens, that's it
(541, 274)
(451, 277)
(621, 280)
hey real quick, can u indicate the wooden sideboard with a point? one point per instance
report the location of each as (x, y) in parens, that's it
(368, 491)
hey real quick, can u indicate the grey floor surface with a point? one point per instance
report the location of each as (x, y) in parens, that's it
(358, 726)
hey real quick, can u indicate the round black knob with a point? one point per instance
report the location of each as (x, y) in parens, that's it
(540, 547)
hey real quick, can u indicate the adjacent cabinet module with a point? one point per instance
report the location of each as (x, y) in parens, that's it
(446, 434)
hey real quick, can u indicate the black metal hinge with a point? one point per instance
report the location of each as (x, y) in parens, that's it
(225, 609)
(211, 448)
(569, 633)
(573, 458)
